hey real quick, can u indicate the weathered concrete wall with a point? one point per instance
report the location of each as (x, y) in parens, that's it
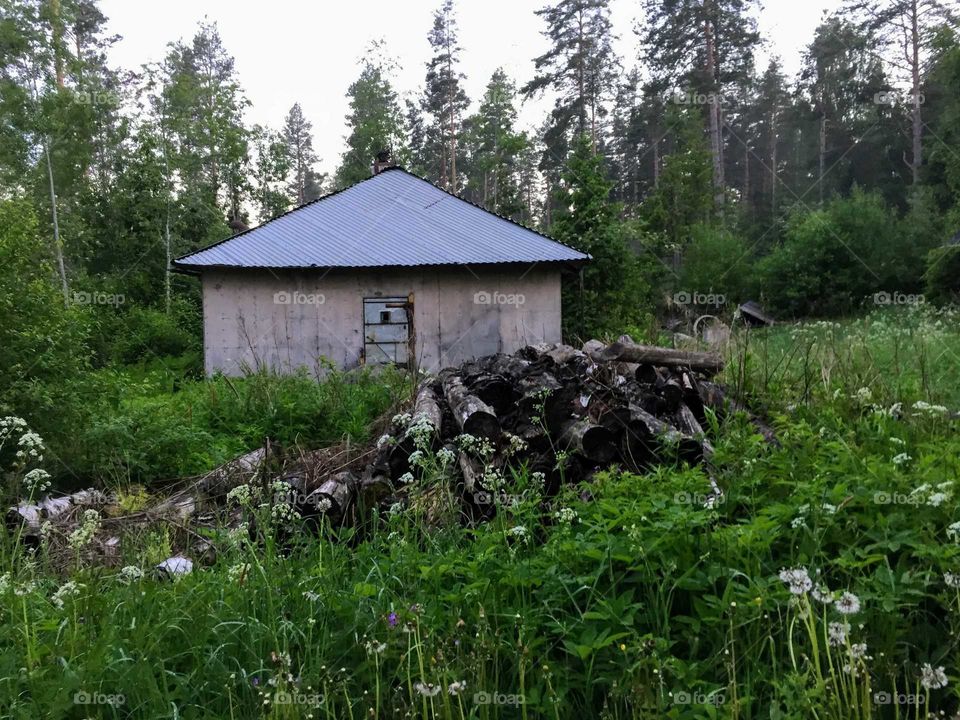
(289, 319)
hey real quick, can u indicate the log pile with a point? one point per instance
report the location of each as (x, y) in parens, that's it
(551, 409)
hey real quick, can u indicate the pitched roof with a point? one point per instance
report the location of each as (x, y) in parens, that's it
(392, 219)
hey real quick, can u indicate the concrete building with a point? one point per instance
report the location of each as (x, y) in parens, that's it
(390, 270)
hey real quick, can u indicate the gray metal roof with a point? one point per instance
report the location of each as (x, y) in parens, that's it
(391, 219)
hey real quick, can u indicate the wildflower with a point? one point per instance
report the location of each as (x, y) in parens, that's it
(392, 619)
(953, 531)
(395, 509)
(901, 459)
(417, 458)
(68, 589)
(539, 479)
(384, 440)
(517, 444)
(798, 522)
(82, 536)
(37, 480)
(446, 456)
(402, 419)
(924, 408)
(566, 515)
(837, 633)
(822, 594)
(932, 678)
(455, 688)
(858, 651)
(130, 573)
(897, 441)
(798, 579)
(829, 509)
(938, 498)
(952, 580)
(4, 583)
(426, 689)
(863, 395)
(375, 648)
(323, 505)
(238, 571)
(240, 495)
(519, 531)
(406, 478)
(847, 604)
(311, 595)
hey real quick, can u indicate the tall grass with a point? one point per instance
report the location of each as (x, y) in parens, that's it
(623, 598)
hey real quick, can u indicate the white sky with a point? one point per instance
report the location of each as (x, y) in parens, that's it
(291, 51)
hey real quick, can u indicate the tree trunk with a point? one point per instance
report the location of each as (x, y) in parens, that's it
(667, 357)
(917, 118)
(57, 245)
(713, 105)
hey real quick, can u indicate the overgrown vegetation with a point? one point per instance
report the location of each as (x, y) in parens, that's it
(823, 584)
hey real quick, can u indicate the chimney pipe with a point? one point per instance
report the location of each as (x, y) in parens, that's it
(382, 161)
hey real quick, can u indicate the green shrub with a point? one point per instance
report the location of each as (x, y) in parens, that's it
(717, 261)
(943, 274)
(834, 260)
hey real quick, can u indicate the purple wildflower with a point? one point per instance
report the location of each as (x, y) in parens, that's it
(392, 619)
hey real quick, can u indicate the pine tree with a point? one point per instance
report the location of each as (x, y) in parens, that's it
(907, 30)
(375, 120)
(495, 149)
(580, 65)
(304, 184)
(705, 47)
(444, 100)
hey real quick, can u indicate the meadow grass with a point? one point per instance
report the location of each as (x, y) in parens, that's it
(825, 583)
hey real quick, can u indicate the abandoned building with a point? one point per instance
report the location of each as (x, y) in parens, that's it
(389, 270)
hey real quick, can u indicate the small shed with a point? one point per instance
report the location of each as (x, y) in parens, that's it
(392, 269)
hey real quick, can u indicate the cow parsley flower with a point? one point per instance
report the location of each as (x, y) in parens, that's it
(847, 604)
(933, 678)
(37, 480)
(901, 459)
(938, 498)
(858, 651)
(405, 479)
(952, 580)
(67, 590)
(566, 515)
(130, 573)
(953, 531)
(446, 456)
(82, 536)
(519, 531)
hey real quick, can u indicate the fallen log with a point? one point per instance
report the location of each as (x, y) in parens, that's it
(473, 416)
(667, 357)
(655, 436)
(590, 440)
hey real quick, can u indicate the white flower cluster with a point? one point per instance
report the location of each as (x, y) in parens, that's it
(237, 572)
(242, 495)
(925, 409)
(37, 480)
(421, 429)
(934, 496)
(953, 531)
(446, 456)
(67, 590)
(520, 532)
(82, 536)
(30, 446)
(566, 515)
(130, 573)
